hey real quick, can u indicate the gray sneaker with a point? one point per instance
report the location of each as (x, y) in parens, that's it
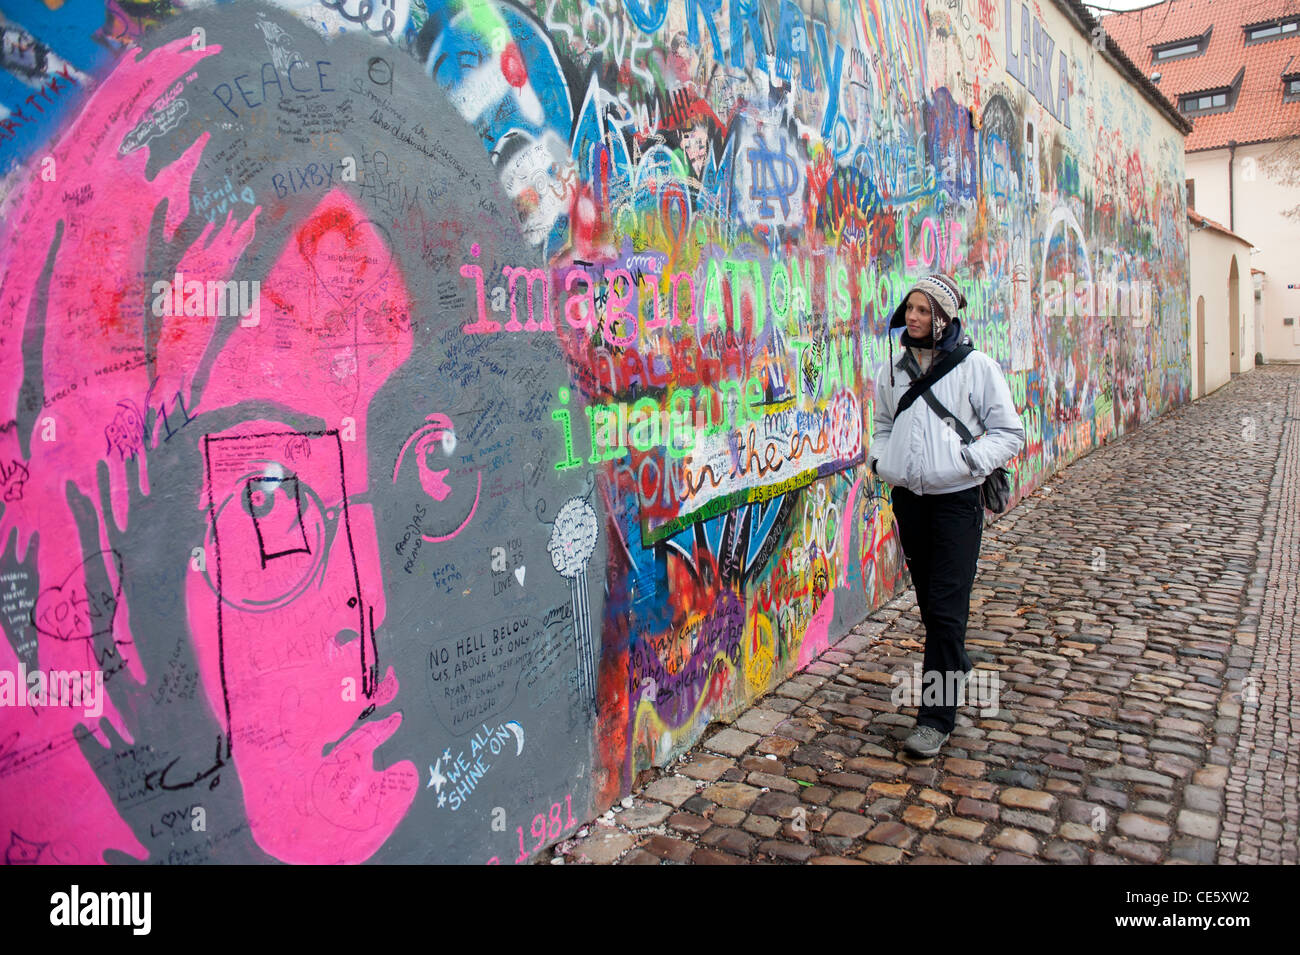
(925, 741)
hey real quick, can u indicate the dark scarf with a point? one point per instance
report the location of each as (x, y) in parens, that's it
(952, 336)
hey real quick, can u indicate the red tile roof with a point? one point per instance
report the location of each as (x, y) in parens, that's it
(1259, 113)
(1083, 19)
(1204, 222)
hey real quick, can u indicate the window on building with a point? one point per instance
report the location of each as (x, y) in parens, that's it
(1189, 46)
(1272, 29)
(1208, 102)
(1191, 193)
(1186, 49)
(1291, 88)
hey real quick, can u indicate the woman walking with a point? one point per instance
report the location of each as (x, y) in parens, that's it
(937, 479)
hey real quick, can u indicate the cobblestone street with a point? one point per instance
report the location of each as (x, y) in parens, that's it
(1140, 611)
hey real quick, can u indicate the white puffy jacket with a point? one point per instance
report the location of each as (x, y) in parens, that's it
(920, 452)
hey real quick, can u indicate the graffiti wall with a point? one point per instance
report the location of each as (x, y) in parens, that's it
(419, 418)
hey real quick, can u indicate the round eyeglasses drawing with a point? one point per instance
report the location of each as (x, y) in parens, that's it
(573, 541)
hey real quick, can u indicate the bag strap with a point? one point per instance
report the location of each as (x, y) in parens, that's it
(921, 386)
(949, 418)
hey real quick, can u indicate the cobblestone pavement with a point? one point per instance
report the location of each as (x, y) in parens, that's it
(1140, 612)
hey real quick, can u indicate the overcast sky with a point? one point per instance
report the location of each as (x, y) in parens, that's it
(1119, 4)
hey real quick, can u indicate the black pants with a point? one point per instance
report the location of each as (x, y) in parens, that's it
(941, 534)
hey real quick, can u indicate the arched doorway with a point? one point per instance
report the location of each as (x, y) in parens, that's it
(1234, 318)
(1200, 346)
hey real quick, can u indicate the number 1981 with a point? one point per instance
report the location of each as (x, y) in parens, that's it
(547, 827)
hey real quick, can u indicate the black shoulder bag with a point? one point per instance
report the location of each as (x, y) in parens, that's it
(996, 489)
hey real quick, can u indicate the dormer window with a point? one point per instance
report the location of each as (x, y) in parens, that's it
(1181, 49)
(1220, 100)
(1212, 101)
(1291, 88)
(1272, 29)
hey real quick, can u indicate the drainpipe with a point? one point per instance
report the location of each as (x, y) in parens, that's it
(1232, 219)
